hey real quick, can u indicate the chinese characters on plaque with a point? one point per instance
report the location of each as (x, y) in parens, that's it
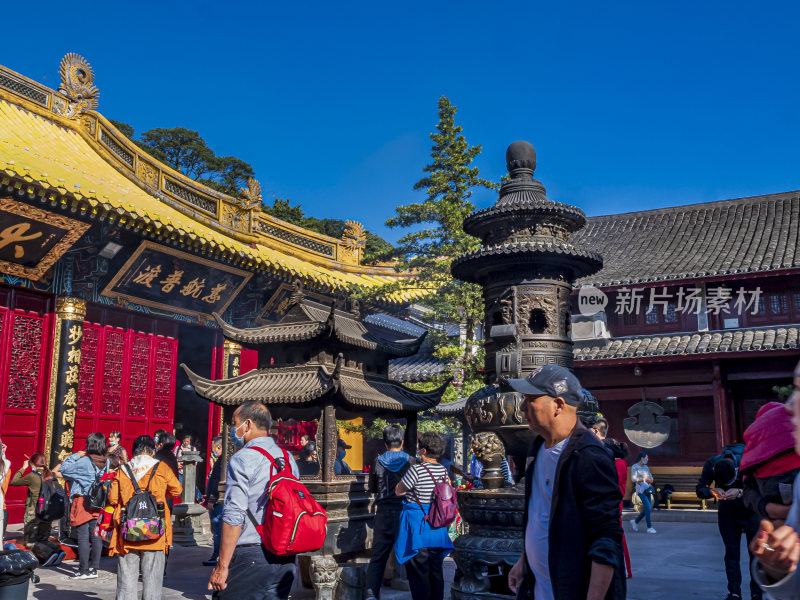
(32, 239)
(164, 278)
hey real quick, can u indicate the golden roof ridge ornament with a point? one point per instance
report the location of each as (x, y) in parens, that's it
(354, 240)
(354, 234)
(77, 92)
(238, 214)
(251, 195)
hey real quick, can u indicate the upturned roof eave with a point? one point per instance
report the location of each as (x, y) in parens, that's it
(223, 392)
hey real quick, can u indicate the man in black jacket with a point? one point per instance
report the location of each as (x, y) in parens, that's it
(383, 478)
(573, 535)
(733, 517)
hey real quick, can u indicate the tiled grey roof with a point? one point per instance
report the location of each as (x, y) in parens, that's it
(351, 330)
(394, 324)
(309, 320)
(305, 385)
(452, 409)
(757, 339)
(415, 368)
(747, 235)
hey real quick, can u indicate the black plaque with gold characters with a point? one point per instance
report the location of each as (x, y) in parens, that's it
(171, 280)
(66, 369)
(32, 239)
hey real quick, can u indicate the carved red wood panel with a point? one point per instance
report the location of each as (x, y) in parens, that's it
(166, 353)
(24, 377)
(114, 354)
(89, 364)
(139, 376)
(26, 330)
(128, 383)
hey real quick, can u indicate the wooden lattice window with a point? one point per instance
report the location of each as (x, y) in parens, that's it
(112, 372)
(166, 351)
(91, 334)
(139, 376)
(25, 362)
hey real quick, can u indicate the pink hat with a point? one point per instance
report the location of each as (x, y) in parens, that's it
(770, 434)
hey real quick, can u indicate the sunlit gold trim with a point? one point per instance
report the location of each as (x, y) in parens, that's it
(75, 229)
(73, 309)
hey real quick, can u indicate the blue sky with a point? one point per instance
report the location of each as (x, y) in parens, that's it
(629, 105)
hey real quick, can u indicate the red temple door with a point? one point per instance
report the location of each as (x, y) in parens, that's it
(25, 347)
(127, 383)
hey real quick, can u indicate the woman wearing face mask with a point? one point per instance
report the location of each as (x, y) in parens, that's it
(643, 481)
(5, 465)
(115, 447)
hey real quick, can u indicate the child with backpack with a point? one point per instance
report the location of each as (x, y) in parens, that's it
(142, 533)
(105, 522)
(44, 504)
(429, 507)
(87, 498)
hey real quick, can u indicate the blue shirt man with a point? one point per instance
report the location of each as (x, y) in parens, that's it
(245, 569)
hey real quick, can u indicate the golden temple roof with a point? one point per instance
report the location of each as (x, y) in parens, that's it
(54, 146)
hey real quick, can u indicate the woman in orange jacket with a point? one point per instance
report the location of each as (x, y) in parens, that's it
(158, 479)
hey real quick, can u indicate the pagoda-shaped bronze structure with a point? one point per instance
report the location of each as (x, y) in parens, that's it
(526, 267)
(319, 362)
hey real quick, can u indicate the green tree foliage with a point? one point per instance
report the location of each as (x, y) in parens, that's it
(124, 128)
(183, 149)
(782, 392)
(186, 151)
(376, 247)
(228, 175)
(436, 238)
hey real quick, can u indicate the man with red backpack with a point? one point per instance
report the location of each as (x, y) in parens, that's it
(245, 569)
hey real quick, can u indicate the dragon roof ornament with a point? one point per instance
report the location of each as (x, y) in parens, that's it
(77, 87)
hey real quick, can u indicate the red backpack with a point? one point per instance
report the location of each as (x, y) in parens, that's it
(294, 521)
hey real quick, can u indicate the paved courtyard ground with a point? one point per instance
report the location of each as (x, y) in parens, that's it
(682, 561)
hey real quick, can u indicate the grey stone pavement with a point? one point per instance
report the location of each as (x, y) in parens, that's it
(682, 561)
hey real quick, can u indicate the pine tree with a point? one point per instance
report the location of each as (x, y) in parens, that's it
(437, 238)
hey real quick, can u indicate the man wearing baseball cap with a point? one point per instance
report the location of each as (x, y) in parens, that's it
(573, 535)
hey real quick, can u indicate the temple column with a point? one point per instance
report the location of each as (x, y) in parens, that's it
(723, 407)
(64, 377)
(330, 435)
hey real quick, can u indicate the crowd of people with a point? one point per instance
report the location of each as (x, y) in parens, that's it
(574, 541)
(111, 500)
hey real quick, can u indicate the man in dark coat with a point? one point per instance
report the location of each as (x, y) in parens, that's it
(383, 478)
(722, 480)
(573, 535)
